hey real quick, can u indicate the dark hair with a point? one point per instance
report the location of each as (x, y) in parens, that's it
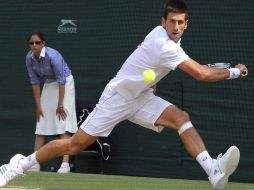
(175, 6)
(37, 33)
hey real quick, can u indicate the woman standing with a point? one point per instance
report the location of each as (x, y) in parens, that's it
(55, 105)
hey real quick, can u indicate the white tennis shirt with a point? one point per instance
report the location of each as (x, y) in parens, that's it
(157, 52)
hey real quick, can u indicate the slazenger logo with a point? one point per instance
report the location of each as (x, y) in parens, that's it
(67, 26)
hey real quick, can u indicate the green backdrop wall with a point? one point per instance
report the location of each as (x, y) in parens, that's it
(103, 35)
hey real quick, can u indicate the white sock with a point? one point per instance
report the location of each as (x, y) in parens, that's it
(205, 160)
(28, 162)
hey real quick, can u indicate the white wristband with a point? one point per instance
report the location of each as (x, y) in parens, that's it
(234, 73)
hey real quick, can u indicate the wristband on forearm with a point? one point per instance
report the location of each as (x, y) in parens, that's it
(234, 73)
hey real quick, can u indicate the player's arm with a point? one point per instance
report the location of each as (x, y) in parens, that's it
(211, 74)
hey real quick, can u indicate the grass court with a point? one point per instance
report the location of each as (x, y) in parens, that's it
(78, 181)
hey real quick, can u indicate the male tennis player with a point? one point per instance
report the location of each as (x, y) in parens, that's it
(127, 96)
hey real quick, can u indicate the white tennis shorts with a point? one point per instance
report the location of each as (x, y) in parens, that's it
(113, 108)
(50, 124)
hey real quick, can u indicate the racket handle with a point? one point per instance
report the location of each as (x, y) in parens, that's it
(244, 73)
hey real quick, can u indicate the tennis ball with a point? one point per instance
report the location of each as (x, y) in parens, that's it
(149, 75)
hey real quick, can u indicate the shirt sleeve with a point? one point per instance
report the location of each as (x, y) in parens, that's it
(172, 55)
(34, 78)
(58, 63)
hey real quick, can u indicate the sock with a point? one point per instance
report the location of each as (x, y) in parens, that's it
(28, 162)
(205, 160)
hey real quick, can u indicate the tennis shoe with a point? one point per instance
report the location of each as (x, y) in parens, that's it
(223, 167)
(35, 168)
(10, 171)
(64, 168)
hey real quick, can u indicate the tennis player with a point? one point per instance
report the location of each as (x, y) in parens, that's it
(128, 97)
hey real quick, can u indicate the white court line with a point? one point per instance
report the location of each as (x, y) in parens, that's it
(19, 188)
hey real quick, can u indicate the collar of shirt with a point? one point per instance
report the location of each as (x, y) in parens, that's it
(179, 42)
(42, 54)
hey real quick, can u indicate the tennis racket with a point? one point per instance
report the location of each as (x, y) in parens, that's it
(226, 66)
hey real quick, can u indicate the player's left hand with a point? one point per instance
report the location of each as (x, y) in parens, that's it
(61, 113)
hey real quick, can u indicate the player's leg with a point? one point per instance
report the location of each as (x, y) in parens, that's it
(218, 170)
(19, 164)
(157, 112)
(39, 142)
(60, 147)
(173, 117)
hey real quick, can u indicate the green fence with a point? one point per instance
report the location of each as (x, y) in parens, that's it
(103, 35)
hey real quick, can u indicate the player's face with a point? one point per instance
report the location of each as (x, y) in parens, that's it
(175, 24)
(36, 44)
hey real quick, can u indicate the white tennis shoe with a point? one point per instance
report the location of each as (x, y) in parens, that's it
(10, 171)
(64, 168)
(223, 167)
(35, 168)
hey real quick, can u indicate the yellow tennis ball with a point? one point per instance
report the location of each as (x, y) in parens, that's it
(149, 75)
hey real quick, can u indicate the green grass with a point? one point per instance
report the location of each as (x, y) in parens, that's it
(75, 181)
